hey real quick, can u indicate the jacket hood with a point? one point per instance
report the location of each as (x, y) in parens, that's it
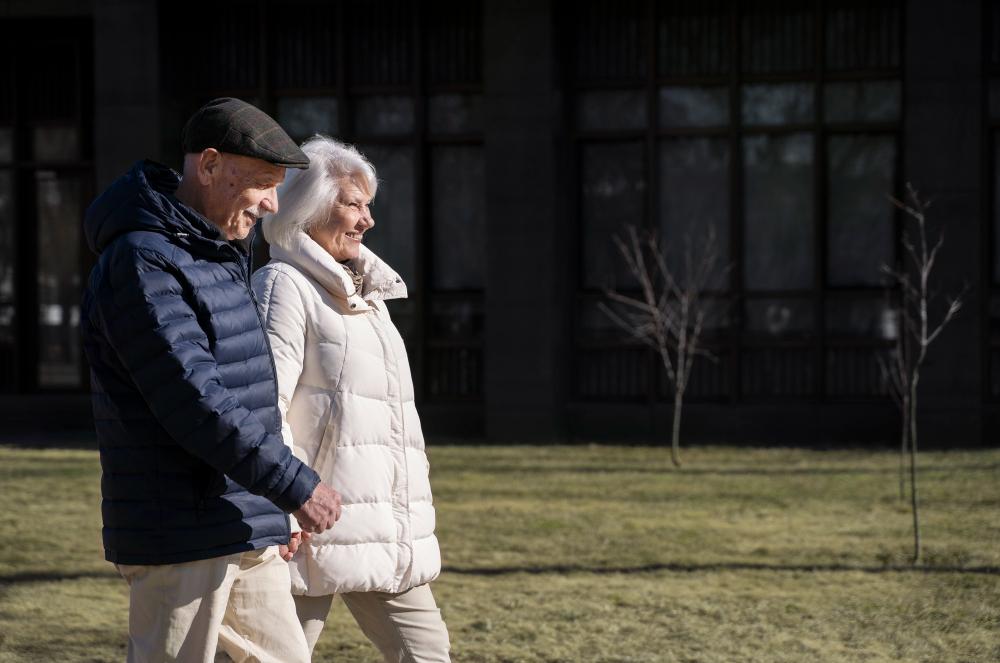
(142, 199)
(379, 281)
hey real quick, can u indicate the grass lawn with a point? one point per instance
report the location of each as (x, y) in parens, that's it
(600, 554)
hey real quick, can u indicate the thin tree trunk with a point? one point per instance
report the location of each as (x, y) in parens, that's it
(905, 408)
(675, 444)
(913, 473)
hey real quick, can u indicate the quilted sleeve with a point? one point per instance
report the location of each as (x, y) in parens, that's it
(283, 311)
(157, 337)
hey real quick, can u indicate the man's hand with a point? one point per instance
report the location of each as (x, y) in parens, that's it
(294, 541)
(321, 511)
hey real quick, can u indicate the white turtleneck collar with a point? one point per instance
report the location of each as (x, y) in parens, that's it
(379, 281)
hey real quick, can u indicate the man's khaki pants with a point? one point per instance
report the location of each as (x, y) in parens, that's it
(405, 627)
(240, 603)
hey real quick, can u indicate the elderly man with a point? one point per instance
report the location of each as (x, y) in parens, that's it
(197, 482)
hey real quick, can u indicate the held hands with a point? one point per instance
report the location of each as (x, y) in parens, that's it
(321, 511)
(294, 541)
(318, 514)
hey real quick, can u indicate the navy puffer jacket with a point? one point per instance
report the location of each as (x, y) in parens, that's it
(183, 386)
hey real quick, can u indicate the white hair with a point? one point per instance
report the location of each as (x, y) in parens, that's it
(305, 197)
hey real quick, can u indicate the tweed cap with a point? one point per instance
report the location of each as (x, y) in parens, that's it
(234, 126)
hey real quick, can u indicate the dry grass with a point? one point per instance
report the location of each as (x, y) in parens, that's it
(600, 554)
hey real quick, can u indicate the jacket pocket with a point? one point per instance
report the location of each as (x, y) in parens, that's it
(326, 452)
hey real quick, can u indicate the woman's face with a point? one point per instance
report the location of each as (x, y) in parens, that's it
(349, 218)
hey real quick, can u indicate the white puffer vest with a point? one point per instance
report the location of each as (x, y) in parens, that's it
(346, 397)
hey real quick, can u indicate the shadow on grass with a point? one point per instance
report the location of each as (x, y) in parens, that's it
(728, 471)
(7, 580)
(722, 566)
(53, 576)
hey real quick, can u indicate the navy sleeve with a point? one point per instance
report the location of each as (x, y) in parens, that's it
(158, 339)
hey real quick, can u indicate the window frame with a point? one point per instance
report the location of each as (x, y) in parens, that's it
(735, 344)
(423, 346)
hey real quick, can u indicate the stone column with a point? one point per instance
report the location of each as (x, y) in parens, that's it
(526, 254)
(126, 86)
(943, 154)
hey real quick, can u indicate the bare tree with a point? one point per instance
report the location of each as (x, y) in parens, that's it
(914, 335)
(668, 314)
(894, 374)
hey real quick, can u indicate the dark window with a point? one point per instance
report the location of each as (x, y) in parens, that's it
(992, 282)
(46, 179)
(404, 82)
(777, 125)
(613, 191)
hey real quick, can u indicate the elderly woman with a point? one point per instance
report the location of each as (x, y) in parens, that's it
(346, 396)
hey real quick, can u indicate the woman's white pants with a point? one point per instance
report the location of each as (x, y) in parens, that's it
(405, 627)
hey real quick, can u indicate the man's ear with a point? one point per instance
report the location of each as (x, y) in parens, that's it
(209, 165)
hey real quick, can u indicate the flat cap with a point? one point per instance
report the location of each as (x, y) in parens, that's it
(234, 126)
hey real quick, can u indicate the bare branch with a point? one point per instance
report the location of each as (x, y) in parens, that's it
(668, 314)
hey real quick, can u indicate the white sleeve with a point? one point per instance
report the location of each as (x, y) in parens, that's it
(283, 311)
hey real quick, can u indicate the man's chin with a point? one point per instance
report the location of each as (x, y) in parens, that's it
(237, 233)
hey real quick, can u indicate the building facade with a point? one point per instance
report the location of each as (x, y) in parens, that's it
(513, 140)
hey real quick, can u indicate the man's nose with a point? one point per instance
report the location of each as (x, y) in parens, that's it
(269, 204)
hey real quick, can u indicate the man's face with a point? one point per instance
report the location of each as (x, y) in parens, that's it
(240, 191)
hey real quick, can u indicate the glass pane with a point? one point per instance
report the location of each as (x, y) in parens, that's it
(392, 238)
(404, 316)
(59, 210)
(384, 115)
(457, 318)
(612, 110)
(863, 35)
(613, 40)
(778, 372)
(778, 203)
(777, 37)
(302, 117)
(458, 218)
(55, 143)
(995, 99)
(694, 197)
(785, 103)
(694, 106)
(455, 113)
(8, 252)
(8, 255)
(862, 101)
(860, 239)
(613, 182)
(996, 207)
(870, 318)
(779, 317)
(693, 39)
(594, 323)
(6, 145)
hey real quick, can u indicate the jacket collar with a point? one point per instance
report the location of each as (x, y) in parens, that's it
(379, 281)
(143, 200)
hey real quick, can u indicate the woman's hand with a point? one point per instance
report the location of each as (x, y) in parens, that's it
(294, 541)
